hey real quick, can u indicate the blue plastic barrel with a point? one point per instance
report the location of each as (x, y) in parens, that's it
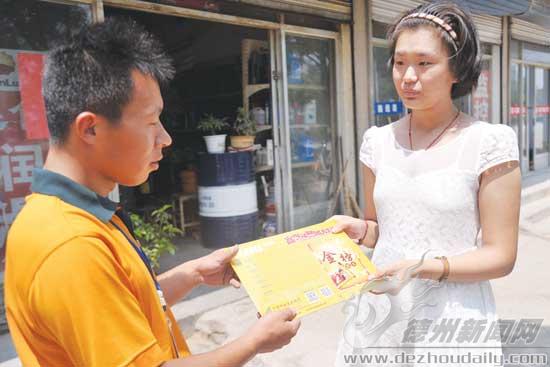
(223, 178)
(226, 169)
(217, 232)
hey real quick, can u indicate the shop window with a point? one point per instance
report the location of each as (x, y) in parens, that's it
(541, 111)
(536, 53)
(517, 109)
(379, 29)
(515, 50)
(479, 103)
(530, 102)
(387, 106)
(482, 95)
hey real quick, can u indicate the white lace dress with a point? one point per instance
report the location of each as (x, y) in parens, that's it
(427, 200)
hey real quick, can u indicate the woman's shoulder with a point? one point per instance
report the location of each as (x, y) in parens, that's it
(493, 135)
(498, 143)
(378, 131)
(373, 138)
(490, 129)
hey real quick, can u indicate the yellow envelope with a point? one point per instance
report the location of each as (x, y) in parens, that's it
(306, 269)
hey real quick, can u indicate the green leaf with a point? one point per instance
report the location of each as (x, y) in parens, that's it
(156, 234)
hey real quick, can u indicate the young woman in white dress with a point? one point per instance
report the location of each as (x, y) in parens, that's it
(438, 180)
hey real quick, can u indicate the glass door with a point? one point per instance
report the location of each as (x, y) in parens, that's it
(533, 115)
(384, 89)
(522, 112)
(540, 128)
(309, 133)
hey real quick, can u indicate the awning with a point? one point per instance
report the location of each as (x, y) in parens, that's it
(339, 10)
(533, 11)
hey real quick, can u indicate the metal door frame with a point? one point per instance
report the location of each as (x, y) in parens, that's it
(526, 122)
(285, 157)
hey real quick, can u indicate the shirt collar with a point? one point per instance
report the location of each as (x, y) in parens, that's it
(53, 184)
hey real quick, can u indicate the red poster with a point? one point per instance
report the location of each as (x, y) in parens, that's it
(481, 97)
(30, 66)
(21, 104)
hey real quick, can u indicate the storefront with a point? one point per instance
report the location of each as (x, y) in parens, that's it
(275, 62)
(529, 93)
(312, 87)
(292, 70)
(287, 62)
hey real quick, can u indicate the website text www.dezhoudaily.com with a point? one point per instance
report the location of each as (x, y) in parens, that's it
(481, 358)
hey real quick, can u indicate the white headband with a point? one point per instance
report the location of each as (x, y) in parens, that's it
(440, 22)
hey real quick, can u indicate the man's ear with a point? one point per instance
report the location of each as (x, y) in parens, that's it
(85, 125)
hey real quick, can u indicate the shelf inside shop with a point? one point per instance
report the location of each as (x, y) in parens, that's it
(307, 87)
(213, 96)
(305, 164)
(260, 128)
(251, 89)
(307, 126)
(264, 169)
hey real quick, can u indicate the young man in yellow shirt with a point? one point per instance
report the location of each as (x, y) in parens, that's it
(79, 290)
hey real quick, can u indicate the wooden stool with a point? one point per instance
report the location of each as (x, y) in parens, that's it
(179, 202)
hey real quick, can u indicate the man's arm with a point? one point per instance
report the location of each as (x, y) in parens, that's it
(177, 282)
(271, 332)
(213, 269)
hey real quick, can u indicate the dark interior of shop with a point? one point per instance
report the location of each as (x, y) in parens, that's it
(208, 61)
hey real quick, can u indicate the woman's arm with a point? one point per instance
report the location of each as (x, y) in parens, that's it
(499, 204)
(365, 232)
(369, 180)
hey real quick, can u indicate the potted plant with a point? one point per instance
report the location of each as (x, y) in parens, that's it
(212, 126)
(245, 130)
(156, 234)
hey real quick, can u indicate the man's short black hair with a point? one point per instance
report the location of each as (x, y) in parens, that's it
(92, 71)
(464, 53)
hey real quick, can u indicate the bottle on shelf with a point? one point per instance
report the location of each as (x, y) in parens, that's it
(295, 68)
(269, 227)
(296, 115)
(259, 115)
(310, 112)
(267, 114)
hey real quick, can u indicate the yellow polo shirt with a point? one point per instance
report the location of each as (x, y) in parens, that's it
(76, 291)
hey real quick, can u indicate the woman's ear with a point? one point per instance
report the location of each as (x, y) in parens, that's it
(455, 78)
